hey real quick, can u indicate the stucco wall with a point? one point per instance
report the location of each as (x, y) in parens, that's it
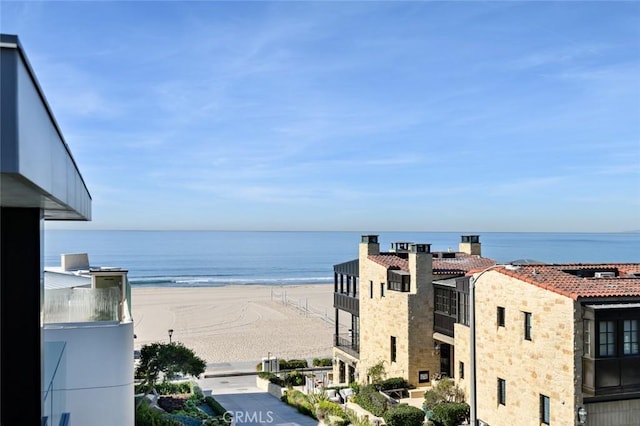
(99, 373)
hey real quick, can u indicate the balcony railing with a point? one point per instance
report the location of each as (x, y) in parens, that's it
(608, 376)
(86, 305)
(346, 303)
(347, 343)
(443, 323)
(53, 401)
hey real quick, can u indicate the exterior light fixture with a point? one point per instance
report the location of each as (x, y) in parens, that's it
(582, 415)
(170, 334)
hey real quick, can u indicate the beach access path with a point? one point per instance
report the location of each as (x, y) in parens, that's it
(249, 405)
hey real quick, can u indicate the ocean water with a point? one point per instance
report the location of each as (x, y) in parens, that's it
(217, 258)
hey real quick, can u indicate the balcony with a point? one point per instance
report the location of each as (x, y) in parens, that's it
(53, 399)
(70, 305)
(347, 343)
(443, 323)
(346, 303)
(611, 376)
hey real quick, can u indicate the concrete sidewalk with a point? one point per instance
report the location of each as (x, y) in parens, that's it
(223, 369)
(249, 405)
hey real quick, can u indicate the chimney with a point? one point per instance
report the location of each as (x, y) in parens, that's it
(420, 265)
(400, 247)
(470, 244)
(369, 246)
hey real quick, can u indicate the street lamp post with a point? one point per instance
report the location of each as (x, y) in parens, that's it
(473, 415)
(170, 334)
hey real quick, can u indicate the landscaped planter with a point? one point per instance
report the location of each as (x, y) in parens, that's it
(271, 388)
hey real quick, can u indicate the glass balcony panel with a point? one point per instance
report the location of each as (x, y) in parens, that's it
(82, 305)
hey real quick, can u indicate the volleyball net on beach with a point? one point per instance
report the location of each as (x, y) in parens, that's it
(302, 305)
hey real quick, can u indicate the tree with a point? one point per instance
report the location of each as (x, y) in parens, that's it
(445, 404)
(377, 372)
(168, 360)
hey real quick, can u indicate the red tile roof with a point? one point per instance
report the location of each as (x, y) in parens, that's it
(391, 261)
(461, 264)
(554, 277)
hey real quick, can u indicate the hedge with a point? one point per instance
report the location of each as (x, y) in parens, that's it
(292, 364)
(215, 406)
(322, 362)
(451, 413)
(392, 383)
(371, 400)
(404, 415)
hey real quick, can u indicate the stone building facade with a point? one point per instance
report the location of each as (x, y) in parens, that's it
(529, 343)
(390, 298)
(552, 341)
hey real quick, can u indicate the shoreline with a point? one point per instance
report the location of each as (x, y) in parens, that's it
(237, 323)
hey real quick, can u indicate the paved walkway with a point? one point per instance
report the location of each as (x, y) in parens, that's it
(250, 405)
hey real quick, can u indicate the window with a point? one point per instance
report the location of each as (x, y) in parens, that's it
(587, 337)
(544, 409)
(445, 301)
(630, 336)
(463, 308)
(500, 316)
(461, 370)
(502, 392)
(381, 289)
(527, 325)
(393, 348)
(607, 335)
(370, 289)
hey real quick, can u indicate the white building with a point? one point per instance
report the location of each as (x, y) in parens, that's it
(88, 334)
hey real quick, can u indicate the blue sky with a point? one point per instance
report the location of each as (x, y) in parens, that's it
(407, 116)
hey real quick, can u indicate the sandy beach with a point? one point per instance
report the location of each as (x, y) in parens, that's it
(238, 323)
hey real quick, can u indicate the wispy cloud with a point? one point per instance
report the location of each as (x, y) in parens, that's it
(558, 55)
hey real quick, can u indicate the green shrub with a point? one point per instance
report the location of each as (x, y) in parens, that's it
(259, 366)
(147, 416)
(218, 409)
(294, 379)
(170, 388)
(404, 415)
(272, 377)
(196, 391)
(355, 420)
(328, 408)
(322, 362)
(371, 400)
(267, 375)
(299, 400)
(445, 391)
(451, 413)
(392, 383)
(292, 364)
(332, 420)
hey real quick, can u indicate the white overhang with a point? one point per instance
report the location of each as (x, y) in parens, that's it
(37, 169)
